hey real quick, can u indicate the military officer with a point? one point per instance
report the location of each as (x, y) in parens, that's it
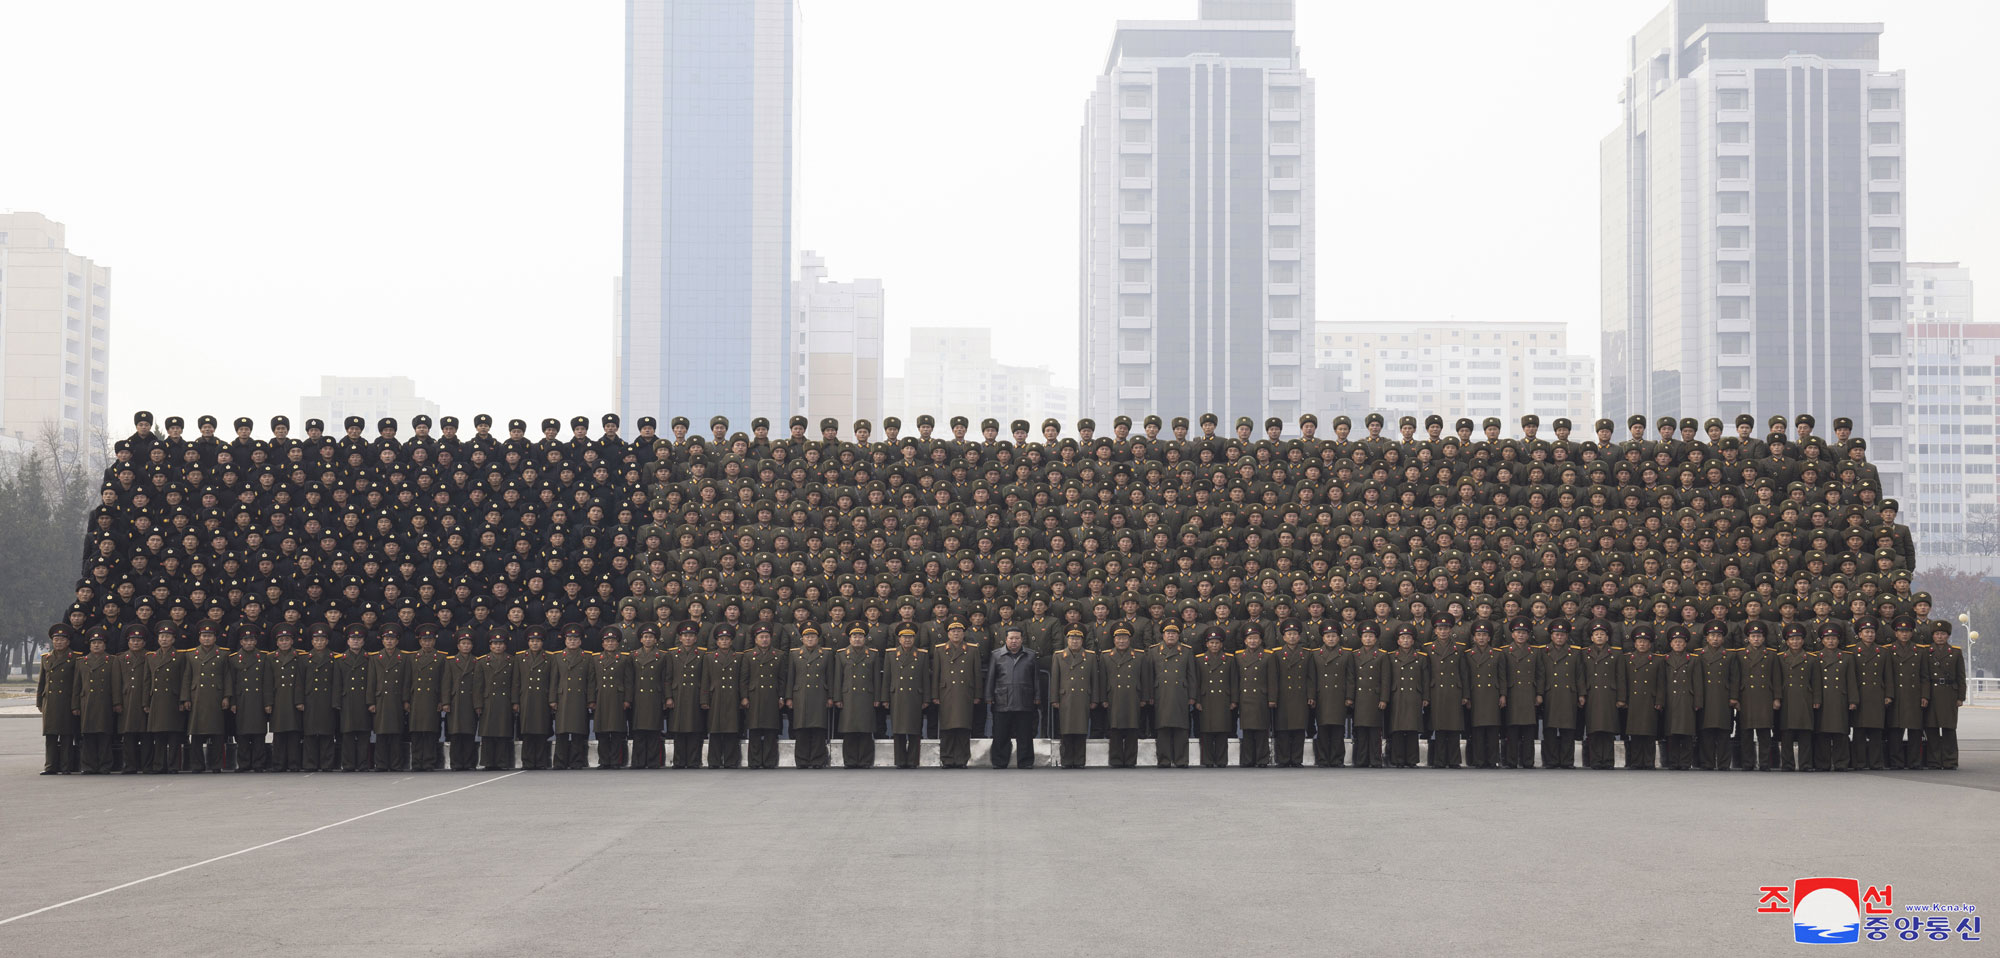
(206, 689)
(1721, 684)
(1333, 696)
(426, 699)
(1449, 696)
(288, 701)
(55, 696)
(1169, 684)
(611, 697)
(1485, 697)
(1680, 713)
(534, 700)
(1606, 685)
(1910, 678)
(389, 701)
(1215, 692)
(763, 696)
(1838, 690)
(1797, 686)
(1562, 699)
(1871, 701)
(462, 698)
(722, 699)
(323, 679)
(687, 718)
(1645, 698)
(1757, 675)
(356, 720)
(956, 682)
(1408, 684)
(575, 685)
(808, 685)
(497, 705)
(131, 674)
(1945, 697)
(166, 719)
(1294, 685)
(906, 691)
(96, 703)
(1125, 693)
(652, 678)
(857, 686)
(253, 702)
(1527, 683)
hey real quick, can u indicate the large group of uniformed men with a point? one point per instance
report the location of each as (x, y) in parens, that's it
(1713, 600)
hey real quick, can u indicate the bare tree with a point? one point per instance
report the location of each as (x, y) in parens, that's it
(46, 493)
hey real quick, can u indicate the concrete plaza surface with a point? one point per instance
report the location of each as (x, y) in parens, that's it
(931, 862)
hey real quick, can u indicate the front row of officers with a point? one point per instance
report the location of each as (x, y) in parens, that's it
(1696, 704)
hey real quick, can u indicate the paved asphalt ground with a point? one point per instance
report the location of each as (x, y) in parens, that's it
(977, 862)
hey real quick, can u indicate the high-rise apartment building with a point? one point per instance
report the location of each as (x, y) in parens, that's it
(951, 371)
(1752, 224)
(55, 336)
(1197, 218)
(1471, 370)
(1950, 501)
(370, 397)
(705, 312)
(839, 332)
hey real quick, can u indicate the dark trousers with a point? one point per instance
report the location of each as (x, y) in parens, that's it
(133, 755)
(1641, 751)
(1071, 754)
(535, 751)
(1253, 748)
(322, 753)
(809, 748)
(1330, 746)
(392, 752)
(58, 754)
(1403, 749)
(1795, 750)
(1714, 749)
(1368, 746)
(1123, 746)
(1170, 747)
(424, 751)
(1868, 748)
(1941, 748)
(955, 747)
(1444, 750)
(1482, 746)
(1599, 750)
(763, 748)
(687, 749)
(572, 750)
(164, 751)
(1519, 749)
(496, 752)
(610, 749)
(1830, 751)
(464, 751)
(208, 753)
(1756, 748)
(1013, 738)
(1288, 748)
(857, 750)
(725, 750)
(287, 751)
(353, 751)
(908, 750)
(250, 754)
(1680, 751)
(1905, 747)
(1558, 747)
(649, 749)
(94, 753)
(1214, 749)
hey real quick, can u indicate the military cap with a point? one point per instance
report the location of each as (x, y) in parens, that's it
(448, 422)
(1745, 419)
(829, 423)
(1180, 422)
(1433, 420)
(1342, 420)
(579, 422)
(1372, 419)
(175, 422)
(385, 423)
(1561, 423)
(551, 423)
(1857, 442)
(1403, 630)
(955, 421)
(1688, 422)
(1208, 418)
(1717, 628)
(1490, 422)
(1308, 419)
(857, 630)
(926, 420)
(648, 422)
(797, 422)
(1370, 628)
(718, 420)
(243, 422)
(1777, 421)
(1018, 425)
(1757, 626)
(1667, 422)
(513, 424)
(281, 422)
(1083, 425)
(1636, 419)
(989, 423)
(861, 425)
(1245, 421)
(354, 422)
(1531, 420)
(1153, 420)
(483, 419)
(1406, 420)
(1464, 422)
(609, 419)
(678, 421)
(1843, 422)
(1482, 626)
(1602, 424)
(142, 416)
(1559, 626)
(1804, 419)
(890, 422)
(1274, 423)
(205, 421)
(312, 424)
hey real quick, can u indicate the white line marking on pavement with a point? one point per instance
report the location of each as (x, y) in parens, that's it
(245, 851)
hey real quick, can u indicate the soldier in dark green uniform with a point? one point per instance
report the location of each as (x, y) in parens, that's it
(534, 700)
(497, 705)
(166, 720)
(1757, 671)
(652, 676)
(1485, 698)
(1215, 698)
(1721, 686)
(808, 682)
(610, 698)
(1169, 684)
(1680, 713)
(355, 719)
(955, 683)
(722, 700)
(1945, 698)
(55, 695)
(1797, 688)
(857, 686)
(426, 699)
(1448, 696)
(1838, 689)
(1333, 696)
(1256, 699)
(1562, 700)
(131, 672)
(1374, 674)
(762, 686)
(575, 683)
(1527, 683)
(906, 687)
(688, 719)
(1124, 694)
(288, 702)
(205, 693)
(1294, 683)
(252, 703)
(389, 701)
(1409, 686)
(463, 697)
(1871, 703)
(1909, 672)
(1606, 684)
(96, 704)
(322, 700)
(1645, 696)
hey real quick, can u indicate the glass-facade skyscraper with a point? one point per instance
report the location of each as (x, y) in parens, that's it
(704, 315)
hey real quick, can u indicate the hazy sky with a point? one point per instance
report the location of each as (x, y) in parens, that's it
(433, 189)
